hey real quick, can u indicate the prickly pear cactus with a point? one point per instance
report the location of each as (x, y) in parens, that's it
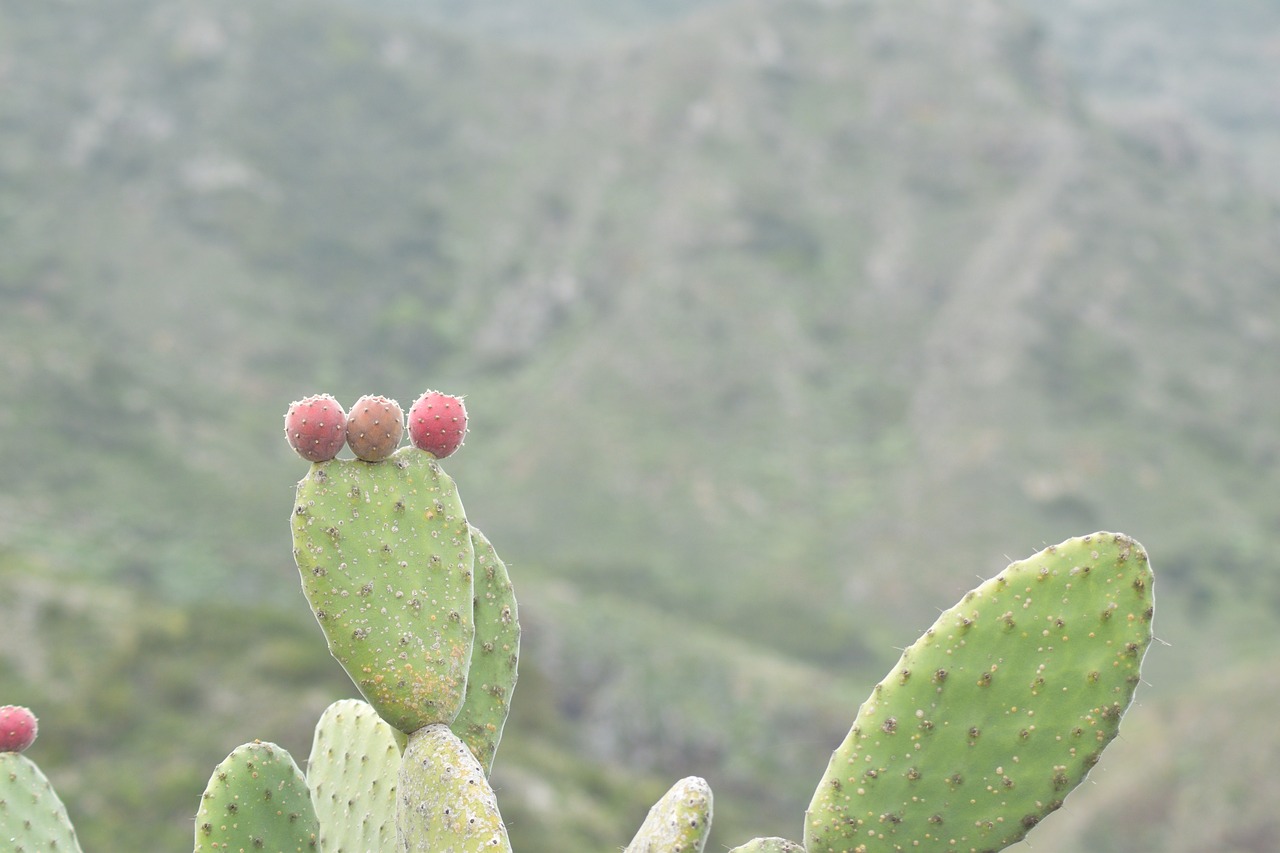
(494, 658)
(352, 773)
(446, 804)
(386, 559)
(257, 799)
(31, 815)
(679, 822)
(993, 716)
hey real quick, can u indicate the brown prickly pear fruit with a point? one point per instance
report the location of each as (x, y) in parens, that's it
(437, 423)
(316, 427)
(375, 428)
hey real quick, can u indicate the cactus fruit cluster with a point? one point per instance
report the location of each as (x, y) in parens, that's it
(981, 729)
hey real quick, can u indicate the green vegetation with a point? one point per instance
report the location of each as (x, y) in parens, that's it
(771, 319)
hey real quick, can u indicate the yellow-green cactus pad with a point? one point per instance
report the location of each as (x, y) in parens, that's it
(993, 716)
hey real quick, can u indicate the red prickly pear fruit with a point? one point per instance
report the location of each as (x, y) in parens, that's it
(437, 423)
(17, 728)
(375, 428)
(316, 427)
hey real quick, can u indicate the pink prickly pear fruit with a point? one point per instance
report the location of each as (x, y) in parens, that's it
(375, 428)
(17, 728)
(316, 427)
(437, 423)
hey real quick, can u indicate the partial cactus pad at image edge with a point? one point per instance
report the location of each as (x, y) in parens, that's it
(993, 716)
(257, 799)
(679, 822)
(352, 773)
(769, 845)
(446, 804)
(32, 817)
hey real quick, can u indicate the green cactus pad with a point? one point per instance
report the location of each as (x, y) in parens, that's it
(993, 716)
(352, 773)
(446, 804)
(494, 658)
(257, 799)
(32, 818)
(385, 555)
(677, 823)
(769, 845)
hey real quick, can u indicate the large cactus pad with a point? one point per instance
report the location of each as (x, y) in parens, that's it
(997, 712)
(386, 559)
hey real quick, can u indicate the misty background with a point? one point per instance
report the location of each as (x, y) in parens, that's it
(780, 325)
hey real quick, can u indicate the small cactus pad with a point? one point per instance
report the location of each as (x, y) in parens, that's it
(437, 423)
(386, 560)
(993, 716)
(446, 804)
(769, 845)
(352, 772)
(374, 428)
(32, 818)
(18, 727)
(677, 823)
(316, 427)
(494, 657)
(257, 799)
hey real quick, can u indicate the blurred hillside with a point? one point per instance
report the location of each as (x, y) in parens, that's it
(780, 324)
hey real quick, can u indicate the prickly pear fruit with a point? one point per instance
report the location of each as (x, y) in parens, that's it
(17, 728)
(437, 423)
(679, 822)
(446, 804)
(316, 427)
(375, 427)
(385, 556)
(494, 657)
(993, 716)
(352, 772)
(257, 799)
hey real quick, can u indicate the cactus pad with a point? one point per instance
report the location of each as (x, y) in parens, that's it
(32, 818)
(257, 799)
(769, 845)
(993, 716)
(677, 823)
(446, 804)
(386, 559)
(352, 773)
(493, 660)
